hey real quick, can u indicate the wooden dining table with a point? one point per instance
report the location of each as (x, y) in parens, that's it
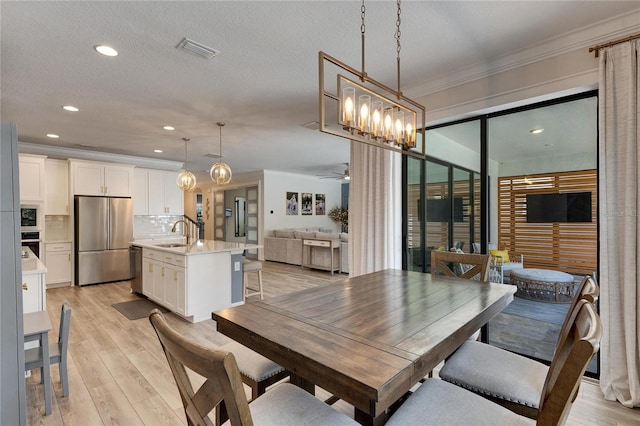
(369, 339)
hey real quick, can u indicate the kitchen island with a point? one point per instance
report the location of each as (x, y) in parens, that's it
(34, 296)
(193, 280)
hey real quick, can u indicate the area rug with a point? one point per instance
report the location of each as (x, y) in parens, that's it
(137, 309)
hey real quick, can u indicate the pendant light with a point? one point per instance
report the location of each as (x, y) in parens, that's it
(220, 172)
(186, 180)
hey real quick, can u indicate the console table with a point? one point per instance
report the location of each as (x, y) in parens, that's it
(543, 285)
(311, 245)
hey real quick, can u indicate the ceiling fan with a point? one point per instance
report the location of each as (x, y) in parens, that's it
(338, 176)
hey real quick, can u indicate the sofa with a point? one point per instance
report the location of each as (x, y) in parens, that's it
(285, 246)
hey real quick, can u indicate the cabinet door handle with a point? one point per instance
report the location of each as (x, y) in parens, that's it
(69, 257)
(150, 267)
(162, 272)
(25, 286)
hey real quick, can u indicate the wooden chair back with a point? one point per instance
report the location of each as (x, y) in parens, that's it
(569, 364)
(587, 290)
(441, 261)
(223, 382)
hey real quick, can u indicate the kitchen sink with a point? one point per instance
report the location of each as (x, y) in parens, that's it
(171, 245)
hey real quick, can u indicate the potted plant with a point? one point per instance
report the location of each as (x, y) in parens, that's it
(341, 216)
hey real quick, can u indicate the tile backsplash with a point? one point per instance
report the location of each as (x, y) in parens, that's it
(147, 226)
(56, 228)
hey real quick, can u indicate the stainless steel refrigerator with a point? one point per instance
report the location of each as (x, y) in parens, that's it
(103, 231)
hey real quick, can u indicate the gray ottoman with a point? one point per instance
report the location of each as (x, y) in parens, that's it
(543, 285)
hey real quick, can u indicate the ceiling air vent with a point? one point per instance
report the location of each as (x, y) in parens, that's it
(197, 49)
(211, 155)
(313, 125)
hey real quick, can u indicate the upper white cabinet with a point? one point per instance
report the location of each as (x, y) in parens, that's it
(57, 189)
(32, 178)
(140, 192)
(162, 194)
(92, 178)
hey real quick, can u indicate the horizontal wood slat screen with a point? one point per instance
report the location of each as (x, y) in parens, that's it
(567, 247)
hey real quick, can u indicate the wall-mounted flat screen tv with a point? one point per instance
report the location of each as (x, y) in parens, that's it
(559, 207)
(439, 210)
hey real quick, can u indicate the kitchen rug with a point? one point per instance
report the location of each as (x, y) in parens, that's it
(136, 309)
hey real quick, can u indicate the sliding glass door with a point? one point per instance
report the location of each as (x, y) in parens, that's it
(472, 193)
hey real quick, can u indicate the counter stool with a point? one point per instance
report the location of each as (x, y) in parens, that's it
(251, 266)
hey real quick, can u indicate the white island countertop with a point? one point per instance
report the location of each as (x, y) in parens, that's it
(197, 247)
(31, 264)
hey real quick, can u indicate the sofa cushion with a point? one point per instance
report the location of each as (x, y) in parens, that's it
(327, 236)
(303, 234)
(282, 233)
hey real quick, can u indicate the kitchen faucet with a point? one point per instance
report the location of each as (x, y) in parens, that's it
(186, 229)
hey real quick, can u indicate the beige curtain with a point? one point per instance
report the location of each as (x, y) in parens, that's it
(619, 161)
(375, 209)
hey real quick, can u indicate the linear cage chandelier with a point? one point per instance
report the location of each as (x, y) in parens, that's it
(366, 110)
(220, 172)
(186, 180)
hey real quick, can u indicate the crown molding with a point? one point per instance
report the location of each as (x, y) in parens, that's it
(65, 153)
(612, 28)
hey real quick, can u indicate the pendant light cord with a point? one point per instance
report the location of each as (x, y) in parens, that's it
(398, 46)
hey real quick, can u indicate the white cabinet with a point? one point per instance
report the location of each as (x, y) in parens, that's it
(58, 261)
(163, 279)
(160, 196)
(56, 201)
(33, 293)
(140, 193)
(32, 178)
(92, 178)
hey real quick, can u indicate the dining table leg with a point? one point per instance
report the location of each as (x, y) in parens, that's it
(46, 373)
(365, 418)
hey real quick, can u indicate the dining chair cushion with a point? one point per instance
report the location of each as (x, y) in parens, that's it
(287, 404)
(251, 363)
(437, 402)
(513, 377)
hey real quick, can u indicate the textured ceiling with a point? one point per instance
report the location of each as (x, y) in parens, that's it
(264, 82)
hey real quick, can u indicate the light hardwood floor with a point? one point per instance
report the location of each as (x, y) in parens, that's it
(118, 373)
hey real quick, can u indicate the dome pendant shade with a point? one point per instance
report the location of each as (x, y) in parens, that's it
(220, 172)
(186, 180)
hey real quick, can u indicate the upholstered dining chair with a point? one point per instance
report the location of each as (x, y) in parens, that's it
(57, 351)
(285, 404)
(469, 265)
(437, 402)
(512, 380)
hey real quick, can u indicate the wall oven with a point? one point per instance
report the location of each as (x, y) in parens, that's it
(29, 218)
(32, 240)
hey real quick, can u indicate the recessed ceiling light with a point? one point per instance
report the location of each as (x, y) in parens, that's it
(548, 145)
(157, 150)
(52, 136)
(70, 108)
(537, 131)
(106, 50)
(169, 128)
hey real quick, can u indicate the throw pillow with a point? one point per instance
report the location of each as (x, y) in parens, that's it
(500, 253)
